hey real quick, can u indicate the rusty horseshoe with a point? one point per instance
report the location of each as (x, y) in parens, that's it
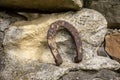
(54, 27)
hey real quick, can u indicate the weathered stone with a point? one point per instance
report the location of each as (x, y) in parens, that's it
(113, 31)
(26, 48)
(35, 71)
(40, 5)
(7, 18)
(109, 8)
(30, 16)
(91, 75)
(101, 50)
(1, 37)
(113, 45)
(1, 50)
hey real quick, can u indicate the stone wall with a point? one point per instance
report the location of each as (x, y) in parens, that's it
(24, 50)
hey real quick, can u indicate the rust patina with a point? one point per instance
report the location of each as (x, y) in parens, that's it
(54, 27)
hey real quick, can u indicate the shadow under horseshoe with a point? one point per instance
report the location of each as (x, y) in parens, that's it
(54, 27)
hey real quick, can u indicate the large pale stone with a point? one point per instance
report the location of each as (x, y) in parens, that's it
(28, 54)
(42, 5)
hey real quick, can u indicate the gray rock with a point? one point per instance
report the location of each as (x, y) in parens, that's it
(109, 8)
(91, 75)
(4, 23)
(35, 71)
(40, 5)
(7, 18)
(28, 55)
(1, 38)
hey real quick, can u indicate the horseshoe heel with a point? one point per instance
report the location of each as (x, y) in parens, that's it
(54, 27)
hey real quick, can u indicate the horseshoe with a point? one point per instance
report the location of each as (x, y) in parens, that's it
(54, 27)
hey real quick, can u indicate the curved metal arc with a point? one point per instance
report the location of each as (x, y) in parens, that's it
(54, 27)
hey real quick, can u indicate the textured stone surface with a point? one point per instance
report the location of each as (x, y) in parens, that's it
(113, 45)
(40, 5)
(1, 50)
(109, 8)
(35, 71)
(92, 75)
(28, 55)
(30, 16)
(5, 20)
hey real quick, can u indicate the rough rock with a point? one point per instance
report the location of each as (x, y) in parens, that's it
(35, 71)
(101, 50)
(113, 45)
(30, 16)
(6, 18)
(109, 8)
(28, 54)
(91, 75)
(1, 49)
(40, 5)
